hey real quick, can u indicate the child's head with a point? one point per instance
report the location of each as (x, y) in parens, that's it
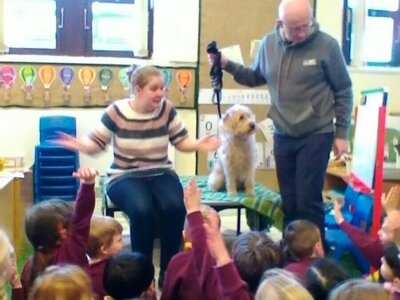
(322, 276)
(67, 282)
(303, 239)
(252, 253)
(105, 237)
(278, 284)
(359, 289)
(210, 216)
(128, 275)
(390, 268)
(6, 253)
(47, 222)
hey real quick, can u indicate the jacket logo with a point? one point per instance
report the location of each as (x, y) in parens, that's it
(309, 62)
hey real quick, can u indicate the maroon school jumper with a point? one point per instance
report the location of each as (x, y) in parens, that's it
(370, 248)
(299, 269)
(96, 272)
(191, 274)
(73, 249)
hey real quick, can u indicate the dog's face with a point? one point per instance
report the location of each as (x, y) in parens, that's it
(238, 120)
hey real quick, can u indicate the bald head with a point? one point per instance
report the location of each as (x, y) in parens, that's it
(294, 10)
(295, 19)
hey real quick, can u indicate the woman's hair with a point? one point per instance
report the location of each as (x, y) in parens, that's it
(278, 284)
(103, 229)
(62, 282)
(359, 289)
(42, 222)
(6, 251)
(322, 276)
(300, 237)
(128, 275)
(141, 75)
(254, 252)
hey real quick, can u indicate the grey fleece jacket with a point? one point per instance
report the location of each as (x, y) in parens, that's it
(308, 82)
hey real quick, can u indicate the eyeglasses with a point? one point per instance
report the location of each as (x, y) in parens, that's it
(300, 28)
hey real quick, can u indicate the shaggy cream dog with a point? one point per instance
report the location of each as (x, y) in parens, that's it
(236, 157)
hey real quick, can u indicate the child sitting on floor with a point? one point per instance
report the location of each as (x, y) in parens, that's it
(58, 234)
(253, 253)
(129, 276)
(105, 240)
(390, 270)
(189, 274)
(303, 242)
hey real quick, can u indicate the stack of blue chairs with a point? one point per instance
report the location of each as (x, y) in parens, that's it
(53, 164)
(359, 215)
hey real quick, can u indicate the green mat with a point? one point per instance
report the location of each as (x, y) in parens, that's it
(265, 202)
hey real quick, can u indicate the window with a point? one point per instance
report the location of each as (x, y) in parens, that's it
(379, 37)
(79, 27)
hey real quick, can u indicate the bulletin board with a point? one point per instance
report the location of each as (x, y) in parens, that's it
(42, 85)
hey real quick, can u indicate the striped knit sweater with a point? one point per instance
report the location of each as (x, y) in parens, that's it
(140, 141)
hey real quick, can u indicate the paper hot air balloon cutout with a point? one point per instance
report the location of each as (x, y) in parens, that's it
(47, 75)
(123, 76)
(28, 75)
(167, 77)
(67, 75)
(86, 77)
(105, 77)
(7, 75)
(183, 77)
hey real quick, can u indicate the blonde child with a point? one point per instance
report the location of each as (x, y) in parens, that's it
(8, 269)
(58, 234)
(278, 284)
(359, 289)
(105, 240)
(303, 242)
(62, 282)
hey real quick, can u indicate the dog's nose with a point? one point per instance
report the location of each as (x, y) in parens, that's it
(252, 126)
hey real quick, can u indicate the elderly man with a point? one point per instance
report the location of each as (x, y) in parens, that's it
(311, 105)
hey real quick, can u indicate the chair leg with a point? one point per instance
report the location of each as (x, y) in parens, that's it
(239, 217)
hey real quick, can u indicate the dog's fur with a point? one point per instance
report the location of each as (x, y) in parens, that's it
(236, 157)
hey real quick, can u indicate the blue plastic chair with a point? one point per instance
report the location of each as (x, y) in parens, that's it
(53, 164)
(49, 126)
(350, 198)
(338, 240)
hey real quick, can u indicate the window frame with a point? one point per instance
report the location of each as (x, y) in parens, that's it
(72, 39)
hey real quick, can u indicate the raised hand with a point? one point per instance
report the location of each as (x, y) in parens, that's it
(86, 175)
(192, 196)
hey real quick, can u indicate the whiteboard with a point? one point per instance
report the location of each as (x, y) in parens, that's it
(366, 136)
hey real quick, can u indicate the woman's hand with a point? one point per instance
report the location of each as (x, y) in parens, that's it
(66, 141)
(208, 143)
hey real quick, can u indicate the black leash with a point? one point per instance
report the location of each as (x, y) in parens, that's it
(216, 75)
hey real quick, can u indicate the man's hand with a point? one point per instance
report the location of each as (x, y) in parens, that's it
(340, 147)
(211, 58)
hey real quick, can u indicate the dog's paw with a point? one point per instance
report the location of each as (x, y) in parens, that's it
(250, 192)
(232, 193)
